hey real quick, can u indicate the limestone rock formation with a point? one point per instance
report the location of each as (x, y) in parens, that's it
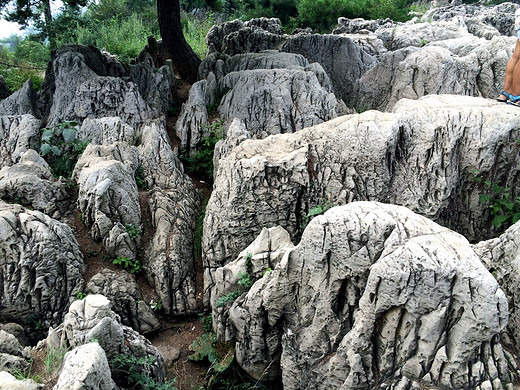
(85, 367)
(422, 156)
(82, 83)
(13, 357)
(500, 256)
(126, 298)
(360, 53)
(41, 268)
(22, 102)
(174, 206)
(108, 197)
(269, 91)
(17, 135)
(373, 296)
(92, 319)
(30, 182)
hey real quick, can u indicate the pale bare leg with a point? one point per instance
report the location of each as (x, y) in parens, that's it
(512, 79)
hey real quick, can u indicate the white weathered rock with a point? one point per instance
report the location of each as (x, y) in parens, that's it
(174, 206)
(17, 135)
(30, 181)
(41, 266)
(421, 156)
(108, 196)
(127, 300)
(91, 319)
(9, 382)
(373, 291)
(85, 368)
(501, 257)
(107, 131)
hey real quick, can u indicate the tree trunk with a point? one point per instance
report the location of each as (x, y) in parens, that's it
(49, 28)
(183, 57)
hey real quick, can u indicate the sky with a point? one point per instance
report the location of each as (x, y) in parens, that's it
(8, 28)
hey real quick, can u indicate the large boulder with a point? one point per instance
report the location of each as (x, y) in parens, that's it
(17, 135)
(174, 205)
(271, 92)
(108, 197)
(41, 266)
(30, 182)
(373, 296)
(500, 256)
(127, 300)
(85, 368)
(83, 83)
(91, 319)
(422, 156)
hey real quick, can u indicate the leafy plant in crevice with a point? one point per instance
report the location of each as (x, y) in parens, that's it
(131, 265)
(206, 321)
(503, 205)
(219, 354)
(61, 149)
(133, 231)
(245, 280)
(80, 295)
(136, 370)
(139, 179)
(314, 211)
(201, 162)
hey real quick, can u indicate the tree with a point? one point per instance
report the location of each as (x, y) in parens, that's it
(183, 57)
(26, 11)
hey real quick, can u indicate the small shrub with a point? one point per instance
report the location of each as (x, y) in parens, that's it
(136, 371)
(156, 306)
(503, 205)
(245, 279)
(139, 179)
(219, 354)
(133, 231)
(132, 265)
(201, 163)
(80, 295)
(206, 321)
(60, 148)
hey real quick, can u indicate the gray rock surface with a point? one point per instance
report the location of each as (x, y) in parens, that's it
(269, 91)
(108, 197)
(500, 256)
(421, 156)
(13, 357)
(85, 368)
(92, 319)
(82, 89)
(41, 268)
(30, 182)
(174, 205)
(374, 296)
(127, 300)
(17, 135)
(21, 102)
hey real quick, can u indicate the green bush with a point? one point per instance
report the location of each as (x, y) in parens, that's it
(136, 372)
(32, 52)
(195, 30)
(16, 71)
